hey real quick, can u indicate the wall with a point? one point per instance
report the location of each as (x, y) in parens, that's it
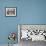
(28, 12)
(33, 27)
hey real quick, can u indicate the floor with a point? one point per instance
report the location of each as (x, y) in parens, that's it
(30, 43)
(7, 45)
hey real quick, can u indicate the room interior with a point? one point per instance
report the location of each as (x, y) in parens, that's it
(27, 12)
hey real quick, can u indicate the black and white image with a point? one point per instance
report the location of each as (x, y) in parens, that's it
(10, 11)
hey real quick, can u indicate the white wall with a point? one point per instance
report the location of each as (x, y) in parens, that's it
(33, 27)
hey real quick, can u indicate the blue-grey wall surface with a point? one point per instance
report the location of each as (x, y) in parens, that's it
(28, 12)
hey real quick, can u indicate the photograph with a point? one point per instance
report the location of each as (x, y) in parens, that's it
(10, 11)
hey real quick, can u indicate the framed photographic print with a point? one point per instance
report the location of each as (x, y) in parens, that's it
(10, 11)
